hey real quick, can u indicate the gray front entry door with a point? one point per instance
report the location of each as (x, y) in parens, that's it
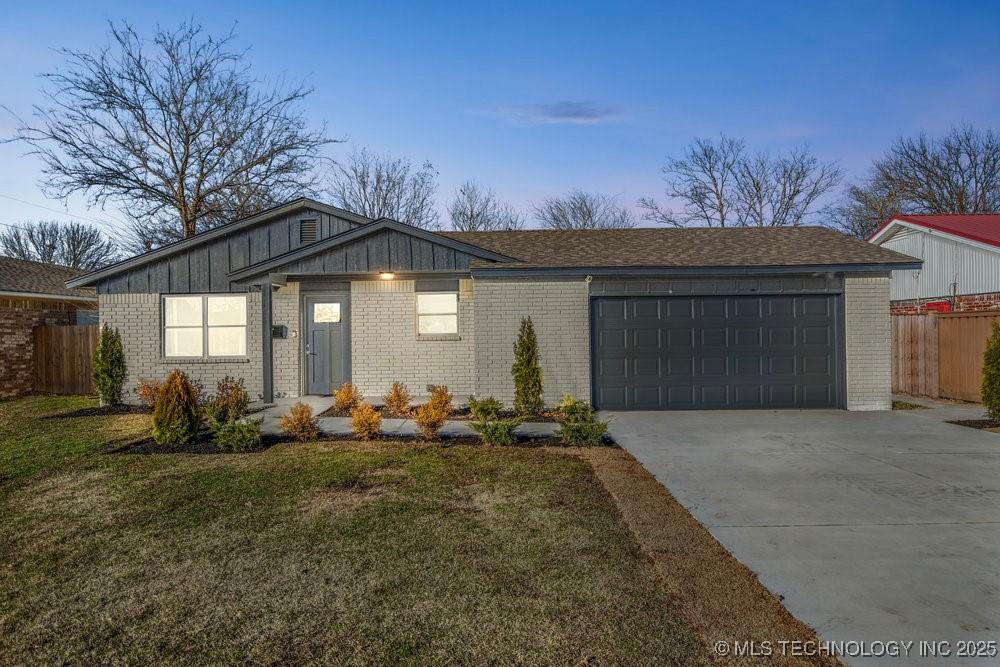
(327, 342)
(709, 352)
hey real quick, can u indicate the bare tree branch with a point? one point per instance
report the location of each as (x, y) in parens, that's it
(583, 210)
(720, 186)
(477, 209)
(957, 173)
(378, 186)
(176, 131)
(69, 244)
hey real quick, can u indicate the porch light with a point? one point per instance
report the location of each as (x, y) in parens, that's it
(387, 276)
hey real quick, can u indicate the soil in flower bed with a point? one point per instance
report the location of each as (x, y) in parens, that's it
(204, 445)
(102, 410)
(981, 424)
(458, 415)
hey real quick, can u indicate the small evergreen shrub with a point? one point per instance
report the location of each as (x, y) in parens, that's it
(441, 399)
(527, 372)
(397, 400)
(991, 374)
(497, 431)
(238, 436)
(299, 423)
(176, 415)
(148, 391)
(346, 398)
(578, 425)
(429, 418)
(230, 401)
(484, 409)
(109, 366)
(365, 421)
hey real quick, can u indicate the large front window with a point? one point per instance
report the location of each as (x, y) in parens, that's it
(437, 313)
(205, 326)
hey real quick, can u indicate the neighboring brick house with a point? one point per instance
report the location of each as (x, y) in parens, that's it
(34, 294)
(961, 255)
(304, 296)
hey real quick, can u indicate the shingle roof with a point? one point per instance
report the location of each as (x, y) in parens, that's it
(982, 227)
(19, 275)
(680, 247)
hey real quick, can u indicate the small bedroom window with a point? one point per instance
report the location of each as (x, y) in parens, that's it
(437, 314)
(307, 231)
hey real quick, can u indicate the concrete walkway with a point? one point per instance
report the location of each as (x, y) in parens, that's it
(874, 526)
(393, 427)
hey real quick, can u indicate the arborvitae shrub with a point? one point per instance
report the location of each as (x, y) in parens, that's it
(991, 374)
(347, 398)
(299, 423)
(365, 421)
(397, 400)
(527, 372)
(109, 366)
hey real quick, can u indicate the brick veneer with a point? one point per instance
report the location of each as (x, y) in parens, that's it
(965, 303)
(869, 358)
(18, 318)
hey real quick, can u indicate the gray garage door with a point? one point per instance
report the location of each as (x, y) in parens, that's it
(710, 352)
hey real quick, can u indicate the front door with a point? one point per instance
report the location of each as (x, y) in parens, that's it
(327, 341)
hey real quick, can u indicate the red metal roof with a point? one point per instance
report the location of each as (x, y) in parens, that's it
(981, 227)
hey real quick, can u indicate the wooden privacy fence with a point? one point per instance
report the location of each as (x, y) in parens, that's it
(940, 354)
(64, 358)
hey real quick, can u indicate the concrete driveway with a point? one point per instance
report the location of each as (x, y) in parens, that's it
(874, 526)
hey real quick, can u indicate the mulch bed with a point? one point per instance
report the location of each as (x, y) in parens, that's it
(716, 594)
(457, 415)
(102, 410)
(205, 445)
(982, 424)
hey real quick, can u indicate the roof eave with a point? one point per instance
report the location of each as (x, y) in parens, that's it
(513, 271)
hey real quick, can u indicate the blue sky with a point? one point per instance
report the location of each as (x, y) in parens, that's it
(536, 98)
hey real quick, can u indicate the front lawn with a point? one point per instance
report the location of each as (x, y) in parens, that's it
(335, 553)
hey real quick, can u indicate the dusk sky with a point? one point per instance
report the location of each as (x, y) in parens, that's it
(534, 99)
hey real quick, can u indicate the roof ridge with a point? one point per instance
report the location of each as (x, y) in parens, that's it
(49, 265)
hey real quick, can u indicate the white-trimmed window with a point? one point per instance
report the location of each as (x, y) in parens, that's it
(437, 313)
(205, 326)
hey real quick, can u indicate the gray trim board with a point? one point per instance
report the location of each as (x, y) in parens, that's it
(514, 272)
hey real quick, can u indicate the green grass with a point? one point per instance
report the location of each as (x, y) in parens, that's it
(326, 553)
(906, 405)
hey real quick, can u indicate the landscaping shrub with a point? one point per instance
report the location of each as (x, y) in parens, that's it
(397, 400)
(109, 366)
(497, 431)
(148, 391)
(176, 414)
(230, 401)
(578, 425)
(441, 399)
(991, 374)
(299, 423)
(429, 418)
(347, 398)
(365, 421)
(527, 372)
(484, 409)
(238, 436)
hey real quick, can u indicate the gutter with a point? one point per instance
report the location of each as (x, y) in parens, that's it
(49, 297)
(493, 272)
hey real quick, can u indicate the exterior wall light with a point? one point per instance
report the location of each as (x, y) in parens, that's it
(387, 276)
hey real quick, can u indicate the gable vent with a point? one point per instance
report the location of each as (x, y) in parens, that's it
(307, 231)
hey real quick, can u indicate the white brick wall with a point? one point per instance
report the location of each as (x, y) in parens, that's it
(286, 352)
(385, 347)
(560, 311)
(869, 357)
(137, 318)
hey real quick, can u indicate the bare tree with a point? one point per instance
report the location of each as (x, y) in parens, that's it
(719, 185)
(957, 173)
(69, 244)
(176, 131)
(477, 209)
(378, 186)
(703, 180)
(583, 210)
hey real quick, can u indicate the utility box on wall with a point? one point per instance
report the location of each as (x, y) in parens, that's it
(279, 331)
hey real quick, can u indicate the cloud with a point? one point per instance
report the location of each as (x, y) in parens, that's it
(565, 112)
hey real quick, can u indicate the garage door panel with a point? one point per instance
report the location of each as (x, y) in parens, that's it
(716, 352)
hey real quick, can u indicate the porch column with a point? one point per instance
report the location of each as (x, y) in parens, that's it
(266, 343)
